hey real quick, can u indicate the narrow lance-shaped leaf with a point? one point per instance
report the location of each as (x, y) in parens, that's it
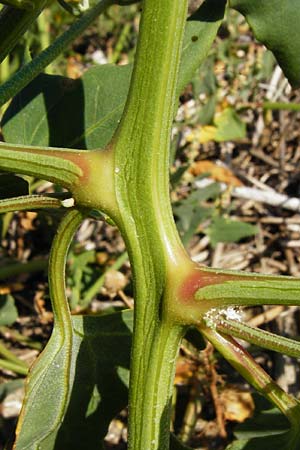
(51, 164)
(256, 336)
(222, 288)
(275, 23)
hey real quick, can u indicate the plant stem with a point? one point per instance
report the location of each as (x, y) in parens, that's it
(13, 24)
(18, 337)
(141, 152)
(29, 202)
(57, 264)
(243, 362)
(38, 64)
(14, 269)
(55, 165)
(87, 174)
(259, 337)
(281, 106)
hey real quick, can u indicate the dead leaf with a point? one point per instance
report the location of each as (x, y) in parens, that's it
(238, 405)
(185, 370)
(218, 173)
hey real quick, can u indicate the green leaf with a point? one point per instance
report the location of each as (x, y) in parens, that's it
(227, 230)
(97, 383)
(190, 213)
(275, 23)
(69, 113)
(200, 32)
(8, 310)
(229, 126)
(244, 288)
(285, 441)
(84, 113)
(266, 423)
(12, 186)
(9, 387)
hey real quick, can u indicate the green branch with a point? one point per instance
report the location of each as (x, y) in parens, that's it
(57, 264)
(255, 336)
(13, 24)
(28, 72)
(29, 202)
(243, 362)
(55, 165)
(141, 160)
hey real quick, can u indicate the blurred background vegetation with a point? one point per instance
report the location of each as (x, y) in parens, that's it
(235, 150)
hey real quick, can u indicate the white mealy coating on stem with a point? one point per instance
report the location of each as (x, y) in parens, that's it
(215, 315)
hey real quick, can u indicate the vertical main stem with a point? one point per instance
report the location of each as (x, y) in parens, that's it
(141, 160)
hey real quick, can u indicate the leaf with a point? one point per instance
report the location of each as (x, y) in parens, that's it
(229, 126)
(84, 113)
(97, 383)
(227, 230)
(12, 186)
(207, 112)
(9, 387)
(285, 441)
(200, 32)
(8, 310)
(191, 213)
(275, 23)
(218, 173)
(69, 113)
(266, 423)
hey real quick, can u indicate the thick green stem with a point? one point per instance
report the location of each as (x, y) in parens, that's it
(141, 161)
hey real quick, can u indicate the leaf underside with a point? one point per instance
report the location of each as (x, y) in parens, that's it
(72, 409)
(66, 409)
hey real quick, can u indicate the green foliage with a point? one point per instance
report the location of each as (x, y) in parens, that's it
(228, 230)
(8, 310)
(80, 381)
(267, 428)
(229, 126)
(92, 104)
(190, 212)
(89, 395)
(274, 24)
(49, 99)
